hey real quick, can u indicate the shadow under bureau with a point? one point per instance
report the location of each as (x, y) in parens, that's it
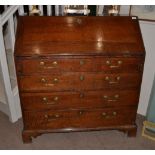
(78, 73)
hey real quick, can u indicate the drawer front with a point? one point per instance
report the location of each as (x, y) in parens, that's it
(46, 66)
(79, 118)
(89, 99)
(78, 81)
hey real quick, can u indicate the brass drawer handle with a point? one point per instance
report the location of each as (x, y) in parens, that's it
(45, 101)
(50, 103)
(52, 117)
(56, 98)
(44, 81)
(114, 66)
(54, 64)
(111, 100)
(104, 115)
(113, 82)
(49, 67)
(82, 77)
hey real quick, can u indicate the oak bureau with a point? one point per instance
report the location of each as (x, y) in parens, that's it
(78, 73)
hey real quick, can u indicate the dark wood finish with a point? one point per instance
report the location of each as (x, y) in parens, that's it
(28, 135)
(75, 64)
(78, 81)
(78, 73)
(83, 99)
(81, 118)
(78, 36)
(132, 132)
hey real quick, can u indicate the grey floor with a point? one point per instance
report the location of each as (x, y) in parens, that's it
(10, 138)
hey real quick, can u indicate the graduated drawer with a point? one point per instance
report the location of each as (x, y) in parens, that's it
(73, 100)
(66, 119)
(92, 64)
(78, 81)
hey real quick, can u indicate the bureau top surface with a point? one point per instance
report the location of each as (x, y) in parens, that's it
(83, 35)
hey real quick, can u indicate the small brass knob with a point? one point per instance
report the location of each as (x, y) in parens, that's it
(81, 62)
(81, 77)
(116, 96)
(56, 98)
(114, 113)
(42, 63)
(108, 62)
(106, 78)
(55, 80)
(43, 80)
(118, 78)
(119, 62)
(55, 63)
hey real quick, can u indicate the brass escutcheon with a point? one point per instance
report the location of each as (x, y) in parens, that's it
(81, 77)
(82, 62)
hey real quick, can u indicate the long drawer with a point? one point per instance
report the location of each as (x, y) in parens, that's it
(74, 100)
(53, 65)
(79, 118)
(78, 81)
